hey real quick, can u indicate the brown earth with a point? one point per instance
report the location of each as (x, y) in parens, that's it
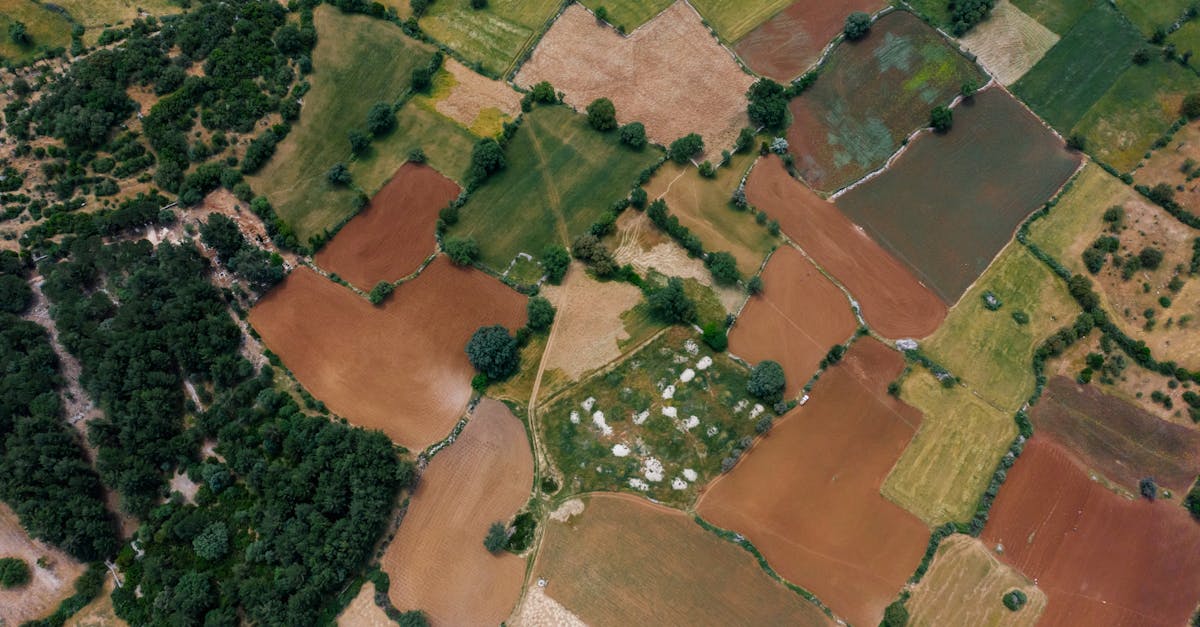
(1101, 558)
(808, 497)
(1009, 42)
(399, 367)
(98, 613)
(796, 319)
(626, 561)
(363, 612)
(892, 300)
(670, 74)
(395, 233)
(47, 587)
(1121, 441)
(474, 93)
(589, 330)
(437, 562)
(966, 585)
(1166, 165)
(788, 44)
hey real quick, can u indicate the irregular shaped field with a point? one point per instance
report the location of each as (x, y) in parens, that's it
(1122, 441)
(732, 19)
(965, 585)
(950, 461)
(670, 74)
(796, 319)
(363, 612)
(395, 233)
(789, 43)
(47, 587)
(475, 101)
(990, 351)
(562, 175)
(1057, 15)
(1101, 558)
(952, 201)
(1009, 42)
(437, 562)
(493, 36)
(628, 14)
(1151, 15)
(97, 15)
(871, 95)
(624, 561)
(891, 298)
(1167, 165)
(399, 367)
(807, 495)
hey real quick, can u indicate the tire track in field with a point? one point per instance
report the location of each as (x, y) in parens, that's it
(552, 192)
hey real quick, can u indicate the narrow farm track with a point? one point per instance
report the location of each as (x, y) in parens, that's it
(552, 191)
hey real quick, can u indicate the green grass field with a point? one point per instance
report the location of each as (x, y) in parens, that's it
(734, 18)
(96, 15)
(950, 461)
(447, 147)
(48, 29)
(360, 61)
(493, 37)
(936, 10)
(1079, 214)
(561, 176)
(988, 350)
(1080, 69)
(1152, 14)
(1187, 39)
(1057, 15)
(1123, 125)
(628, 13)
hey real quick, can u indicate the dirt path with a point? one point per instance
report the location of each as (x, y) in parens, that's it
(552, 192)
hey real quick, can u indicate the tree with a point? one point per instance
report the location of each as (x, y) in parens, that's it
(969, 87)
(543, 93)
(766, 382)
(212, 543)
(221, 234)
(707, 170)
(714, 335)
(637, 198)
(555, 261)
(602, 14)
(15, 294)
(380, 119)
(463, 251)
(414, 618)
(381, 291)
(479, 4)
(896, 615)
(359, 142)
(487, 158)
(1077, 142)
(965, 14)
(941, 118)
(14, 572)
(858, 24)
(339, 174)
(1141, 56)
(18, 34)
(1191, 106)
(634, 135)
(1162, 194)
(602, 115)
(671, 304)
(1148, 488)
(723, 267)
(1014, 600)
(754, 285)
(768, 104)
(1150, 257)
(493, 352)
(684, 148)
(540, 313)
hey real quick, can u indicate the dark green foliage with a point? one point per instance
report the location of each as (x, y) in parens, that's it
(588, 249)
(1148, 488)
(896, 615)
(555, 261)
(768, 104)
(359, 142)
(15, 294)
(479, 4)
(487, 158)
(1020, 317)
(1014, 600)
(493, 352)
(658, 214)
(835, 354)
(338, 175)
(637, 198)
(18, 34)
(221, 234)
(416, 618)
(754, 285)
(543, 93)
(522, 536)
(602, 115)
(1192, 501)
(766, 382)
(858, 24)
(723, 267)
(969, 88)
(991, 301)
(684, 148)
(965, 14)
(714, 335)
(382, 290)
(381, 119)
(1150, 258)
(14, 572)
(212, 543)
(634, 135)
(941, 118)
(707, 170)
(497, 537)
(1191, 106)
(540, 313)
(670, 304)
(463, 251)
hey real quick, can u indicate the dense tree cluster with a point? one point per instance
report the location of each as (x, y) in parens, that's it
(683, 149)
(768, 104)
(965, 14)
(260, 269)
(671, 304)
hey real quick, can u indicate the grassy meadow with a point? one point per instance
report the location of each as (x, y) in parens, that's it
(1152, 14)
(96, 15)
(1057, 15)
(493, 37)
(47, 28)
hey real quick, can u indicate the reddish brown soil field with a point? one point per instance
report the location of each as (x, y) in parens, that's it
(893, 301)
(1101, 558)
(395, 233)
(808, 497)
(400, 367)
(786, 45)
(797, 318)
(1120, 440)
(437, 562)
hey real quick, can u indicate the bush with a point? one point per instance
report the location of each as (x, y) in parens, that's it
(714, 335)
(540, 313)
(671, 305)
(14, 572)
(707, 170)
(380, 119)
(417, 155)
(1148, 488)
(1191, 106)
(497, 537)
(767, 382)
(754, 285)
(381, 291)
(588, 249)
(969, 88)
(493, 352)
(723, 267)
(602, 115)
(555, 261)
(1014, 600)
(896, 615)
(463, 251)
(487, 158)
(15, 294)
(744, 141)
(479, 4)
(634, 135)
(858, 24)
(359, 142)
(941, 118)
(543, 93)
(1020, 317)
(637, 198)
(339, 174)
(684, 148)
(1150, 258)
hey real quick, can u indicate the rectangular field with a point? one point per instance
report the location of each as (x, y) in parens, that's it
(1152, 15)
(786, 45)
(952, 201)
(1080, 68)
(1009, 42)
(1057, 15)
(561, 176)
(493, 36)
(873, 93)
(965, 585)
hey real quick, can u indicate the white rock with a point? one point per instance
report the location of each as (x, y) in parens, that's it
(737, 409)
(907, 344)
(669, 392)
(691, 347)
(687, 375)
(634, 482)
(711, 431)
(704, 363)
(670, 412)
(652, 469)
(756, 410)
(588, 404)
(620, 450)
(679, 484)
(690, 474)
(691, 423)
(574, 417)
(641, 417)
(601, 424)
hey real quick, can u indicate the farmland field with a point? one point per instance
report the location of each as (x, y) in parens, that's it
(1168, 165)
(786, 45)
(1009, 42)
(561, 176)
(1101, 558)
(476, 102)
(96, 15)
(892, 300)
(494, 36)
(437, 562)
(1057, 15)
(964, 587)
(395, 233)
(363, 612)
(732, 19)
(360, 359)
(629, 13)
(47, 587)
(796, 319)
(1080, 68)
(619, 560)
(1151, 15)
(1121, 441)
(951, 460)
(48, 29)
(373, 62)
(447, 146)
(807, 495)
(871, 95)
(671, 75)
(953, 200)
(657, 424)
(989, 350)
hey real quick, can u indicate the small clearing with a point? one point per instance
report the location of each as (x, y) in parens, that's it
(363, 612)
(589, 331)
(1009, 42)
(47, 586)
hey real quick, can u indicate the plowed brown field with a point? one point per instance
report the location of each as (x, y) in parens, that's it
(395, 233)
(893, 302)
(1101, 558)
(401, 367)
(808, 494)
(797, 318)
(437, 562)
(786, 45)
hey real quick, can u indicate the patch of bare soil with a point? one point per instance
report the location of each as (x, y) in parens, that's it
(98, 613)
(363, 612)
(474, 93)
(589, 321)
(47, 586)
(1009, 42)
(539, 610)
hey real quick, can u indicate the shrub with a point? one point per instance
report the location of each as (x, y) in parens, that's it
(463, 251)
(991, 302)
(744, 141)
(637, 198)
(496, 538)
(969, 88)
(723, 267)
(779, 145)
(965, 14)
(767, 382)
(941, 118)
(714, 335)
(339, 174)
(1148, 488)
(896, 615)
(1014, 600)
(670, 304)
(381, 291)
(858, 24)
(1150, 257)
(493, 352)
(540, 313)
(634, 135)
(417, 155)
(1191, 106)
(359, 142)
(380, 119)
(416, 618)
(14, 572)
(602, 115)
(543, 93)
(1020, 317)
(15, 294)
(684, 148)
(487, 158)
(767, 104)
(707, 170)
(754, 285)
(555, 261)
(1077, 142)
(479, 4)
